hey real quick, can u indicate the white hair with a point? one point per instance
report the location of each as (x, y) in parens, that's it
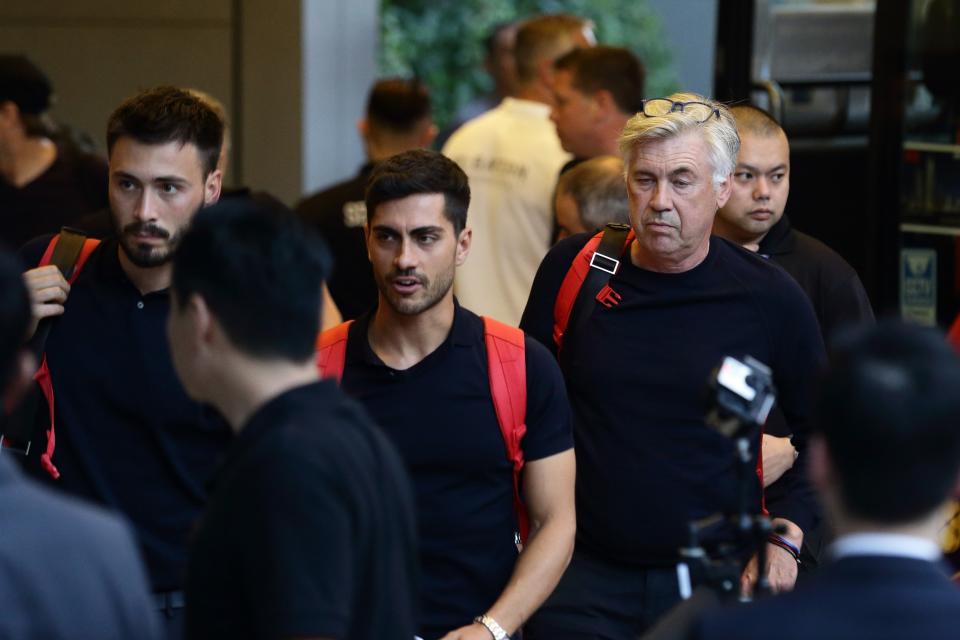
(720, 133)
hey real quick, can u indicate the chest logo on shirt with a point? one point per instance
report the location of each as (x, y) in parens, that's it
(608, 297)
(354, 214)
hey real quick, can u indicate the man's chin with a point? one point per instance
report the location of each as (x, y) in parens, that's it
(145, 256)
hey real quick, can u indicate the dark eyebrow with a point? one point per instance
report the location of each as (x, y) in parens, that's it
(174, 179)
(752, 169)
(427, 229)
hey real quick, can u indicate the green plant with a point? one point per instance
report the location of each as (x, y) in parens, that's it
(441, 41)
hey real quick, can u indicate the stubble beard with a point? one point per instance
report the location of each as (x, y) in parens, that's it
(433, 292)
(147, 256)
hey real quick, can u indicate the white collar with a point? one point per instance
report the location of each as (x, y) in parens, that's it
(885, 544)
(531, 107)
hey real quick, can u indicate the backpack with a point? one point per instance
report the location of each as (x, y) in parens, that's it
(69, 251)
(506, 364)
(587, 278)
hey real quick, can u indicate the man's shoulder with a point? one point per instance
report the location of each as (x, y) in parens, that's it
(814, 253)
(756, 273)
(329, 202)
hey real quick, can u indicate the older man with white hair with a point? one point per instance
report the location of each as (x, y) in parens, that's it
(637, 355)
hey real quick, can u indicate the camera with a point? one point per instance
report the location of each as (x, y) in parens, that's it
(743, 395)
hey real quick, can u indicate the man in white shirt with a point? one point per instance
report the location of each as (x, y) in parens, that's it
(512, 156)
(886, 462)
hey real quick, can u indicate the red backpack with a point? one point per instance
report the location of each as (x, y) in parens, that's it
(508, 387)
(69, 251)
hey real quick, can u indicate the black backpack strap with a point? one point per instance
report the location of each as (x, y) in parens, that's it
(604, 263)
(17, 430)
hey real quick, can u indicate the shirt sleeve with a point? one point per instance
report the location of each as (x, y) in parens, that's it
(799, 358)
(537, 320)
(549, 419)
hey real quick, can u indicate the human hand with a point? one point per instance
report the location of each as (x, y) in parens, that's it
(781, 571)
(779, 454)
(48, 291)
(475, 631)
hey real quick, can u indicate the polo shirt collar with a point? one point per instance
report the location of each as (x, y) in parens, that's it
(528, 107)
(779, 239)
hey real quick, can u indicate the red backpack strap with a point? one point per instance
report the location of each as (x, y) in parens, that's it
(507, 366)
(953, 335)
(594, 256)
(332, 351)
(42, 376)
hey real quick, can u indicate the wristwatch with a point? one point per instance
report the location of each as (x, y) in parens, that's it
(493, 627)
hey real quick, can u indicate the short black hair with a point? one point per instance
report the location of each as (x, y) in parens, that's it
(420, 171)
(398, 104)
(889, 411)
(613, 69)
(168, 114)
(14, 316)
(752, 119)
(259, 270)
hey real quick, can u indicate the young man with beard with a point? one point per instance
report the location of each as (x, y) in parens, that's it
(419, 364)
(126, 434)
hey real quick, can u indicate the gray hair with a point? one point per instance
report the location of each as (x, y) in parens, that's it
(720, 134)
(598, 189)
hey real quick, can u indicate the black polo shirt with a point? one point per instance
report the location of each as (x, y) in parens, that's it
(339, 214)
(637, 372)
(73, 186)
(310, 529)
(834, 289)
(440, 415)
(127, 435)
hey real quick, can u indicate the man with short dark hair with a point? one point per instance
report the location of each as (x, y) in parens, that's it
(512, 155)
(397, 119)
(753, 218)
(124, 434)
(590, 195)
(309, 532)
(44, 183)
(421, 364)
(67, 570)
(637, 362)
(596, 90)
(885, 459)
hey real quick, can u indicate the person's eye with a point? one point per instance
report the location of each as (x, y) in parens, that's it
(743, 175)
(427, 238)
(777, 177)
(169, 188)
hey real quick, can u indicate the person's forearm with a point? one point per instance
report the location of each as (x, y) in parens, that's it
(537, 572)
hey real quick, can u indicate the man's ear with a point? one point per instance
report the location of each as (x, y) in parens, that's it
(606, 105)
(723, 190)
(463, 245)
(20, 380)
(211, 187)
(363, 128)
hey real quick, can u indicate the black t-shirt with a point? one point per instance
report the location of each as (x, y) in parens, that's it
(310, 530)
(339, 213)
(831, 284)
(127, 435)
(440, 415)
(636, 373)
(73, 186)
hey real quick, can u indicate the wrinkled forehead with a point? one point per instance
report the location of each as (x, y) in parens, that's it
(687, 149)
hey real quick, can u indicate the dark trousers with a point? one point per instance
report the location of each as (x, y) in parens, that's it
(598, 600)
